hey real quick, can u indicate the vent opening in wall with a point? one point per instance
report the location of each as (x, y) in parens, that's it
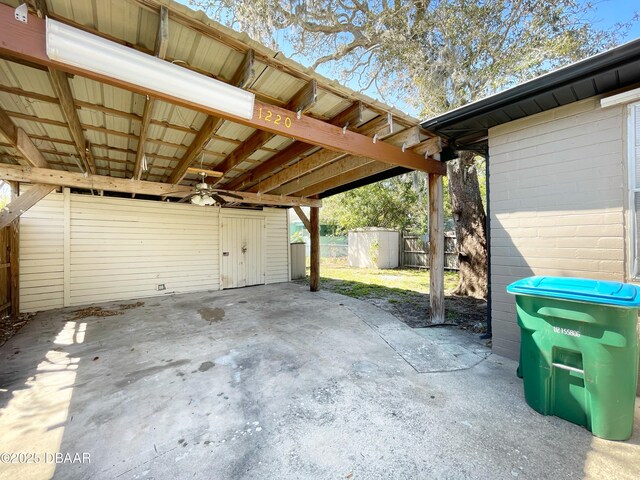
(161, 286)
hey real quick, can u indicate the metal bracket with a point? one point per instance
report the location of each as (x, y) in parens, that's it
(21, 13)
(344, 129)
(375, 138)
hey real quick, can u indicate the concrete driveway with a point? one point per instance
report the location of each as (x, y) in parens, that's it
(274, 382)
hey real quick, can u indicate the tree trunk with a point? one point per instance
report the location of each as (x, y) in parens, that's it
(470, 225)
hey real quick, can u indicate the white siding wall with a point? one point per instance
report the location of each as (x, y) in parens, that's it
(42, 255)
(123, 248)
(277, 226)
(558, 183)
(118, 249)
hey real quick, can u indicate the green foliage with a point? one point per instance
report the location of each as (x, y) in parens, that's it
(297, 237)
(393, 203)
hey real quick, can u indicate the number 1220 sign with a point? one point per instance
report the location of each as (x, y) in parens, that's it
(275, 118)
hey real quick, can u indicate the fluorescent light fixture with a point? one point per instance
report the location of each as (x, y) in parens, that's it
(72, 46)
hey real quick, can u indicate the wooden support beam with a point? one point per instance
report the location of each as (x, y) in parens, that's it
(333, 164)
(429, 147)
(298, 169)
(371, 168)
(304, 99)
(7, 127)
(98, 182)
(210, 173)
(63, 92)
(14, 256)
(436, 249)
(296, 149)
(350, 117)
(244, 75)
(162, 42)
(334, 169)
(303, 218)
(28, 42)
(314, 279)
(23, 203)
(211, 124)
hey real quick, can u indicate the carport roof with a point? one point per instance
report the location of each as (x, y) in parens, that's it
(83, 123)
(467, 127)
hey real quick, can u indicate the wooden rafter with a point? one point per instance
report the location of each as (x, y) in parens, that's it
(51, 177)
(303, 100)
(27, 42)
(245, 74)
(62, 88)
(332, 163)
(162, 42)
(211, 124)
(371, 168)
(350, 118)
(344, 172)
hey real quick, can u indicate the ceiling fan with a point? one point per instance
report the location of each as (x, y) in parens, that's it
(205, 194)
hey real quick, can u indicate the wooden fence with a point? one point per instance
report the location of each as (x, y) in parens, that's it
(9, 270)
(415, 251)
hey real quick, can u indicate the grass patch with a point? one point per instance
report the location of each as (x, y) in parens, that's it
(361, 282)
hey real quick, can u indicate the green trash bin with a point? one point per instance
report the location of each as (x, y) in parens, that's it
(579, 350)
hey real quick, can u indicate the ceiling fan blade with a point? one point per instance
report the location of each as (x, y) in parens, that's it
(218, 198)
(187, 198)
(230, 195)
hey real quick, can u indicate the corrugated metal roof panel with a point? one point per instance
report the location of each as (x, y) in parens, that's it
(113, 124)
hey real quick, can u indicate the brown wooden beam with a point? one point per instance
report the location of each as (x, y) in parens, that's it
(244, 75)
(210, 173)
(296, 149)
(436, 249)
(329, 171)
(309, 170)
(125, 185)
(27, 42)
(162, 41)
(63, 92)
(14, 256)
(23, 203)
(303, 218)
(359, 173)
(211, 124)
(19, 140)
(350, 118)
(304, 99)
(314, 278)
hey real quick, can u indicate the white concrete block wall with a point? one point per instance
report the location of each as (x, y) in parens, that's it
(558, 196)
(92, 249)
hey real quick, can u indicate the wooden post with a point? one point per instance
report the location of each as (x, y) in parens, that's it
(314, 281)
(436, 249)
(14, 256)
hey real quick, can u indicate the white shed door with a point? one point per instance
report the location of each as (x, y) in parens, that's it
(242, 252)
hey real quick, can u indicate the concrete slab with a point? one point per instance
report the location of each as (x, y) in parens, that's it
(270, 382)
(426, 349)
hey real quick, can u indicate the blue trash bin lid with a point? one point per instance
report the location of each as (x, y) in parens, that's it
(579, 290)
